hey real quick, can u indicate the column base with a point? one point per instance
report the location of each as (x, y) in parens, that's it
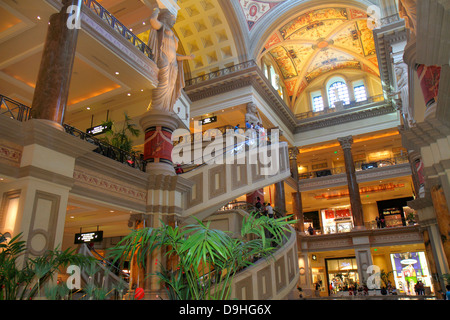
(158, 168)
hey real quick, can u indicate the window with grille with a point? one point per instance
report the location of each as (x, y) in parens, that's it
(338, 91)
(360, 93)
(317, 103)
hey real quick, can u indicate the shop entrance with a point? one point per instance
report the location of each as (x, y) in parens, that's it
(342, 274)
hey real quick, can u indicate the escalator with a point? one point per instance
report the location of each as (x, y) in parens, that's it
(113, 281)
(229, 171)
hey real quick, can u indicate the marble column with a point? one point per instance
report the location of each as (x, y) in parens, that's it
(353, 187)
(296, 196)
(280, 198)
(53, 82)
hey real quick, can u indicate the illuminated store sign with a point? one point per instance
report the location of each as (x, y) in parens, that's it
(88, 237)
(98, 130)
(208, 120)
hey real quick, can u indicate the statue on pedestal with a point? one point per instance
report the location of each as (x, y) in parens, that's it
(401, 71)
(407, 10)
(164, 45)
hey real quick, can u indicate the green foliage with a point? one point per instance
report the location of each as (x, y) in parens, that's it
(207, 259)
(385, 277)
(20, 282)
(120, 138)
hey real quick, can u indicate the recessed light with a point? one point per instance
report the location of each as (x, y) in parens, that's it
(88, 108)
(117, 73)
(111, 210)
(71, 217)
(38, 17)
(129, 94)
(143, 23)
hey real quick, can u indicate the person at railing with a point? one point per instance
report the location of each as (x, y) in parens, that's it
(164, 45)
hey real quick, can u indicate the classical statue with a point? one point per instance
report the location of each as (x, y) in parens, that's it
(407, 10)
(164, 45)
(401, 71)
(252, 115)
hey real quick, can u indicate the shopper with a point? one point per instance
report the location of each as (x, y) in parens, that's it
(258, 204)
(447, 295)
(421, 288)
(378, 222)
(310, 230)
(269, 210)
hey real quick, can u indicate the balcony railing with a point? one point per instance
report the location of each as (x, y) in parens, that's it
(117, 26)
(221, 72)
(327, 110)
(109, 151)
(359, 166)
(13, 109)
(16, 110)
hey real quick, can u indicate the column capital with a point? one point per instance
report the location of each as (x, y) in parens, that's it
(293, 153)
(346, 142)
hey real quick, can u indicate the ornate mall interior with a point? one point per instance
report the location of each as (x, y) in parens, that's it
(349, 97)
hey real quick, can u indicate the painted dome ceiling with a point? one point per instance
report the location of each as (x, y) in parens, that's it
(318, 42)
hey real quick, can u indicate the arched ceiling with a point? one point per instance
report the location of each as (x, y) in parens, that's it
(204, 31)
(320, 41)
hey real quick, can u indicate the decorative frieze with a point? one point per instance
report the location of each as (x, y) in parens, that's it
(90, 180)
(9, 154)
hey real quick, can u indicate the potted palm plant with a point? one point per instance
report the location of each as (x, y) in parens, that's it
(25, 283)
(121, 138)
(207, 259)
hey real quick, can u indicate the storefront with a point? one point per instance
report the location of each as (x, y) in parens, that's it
(393, 212)
(342, 274)
(408, 269)
(337, 220)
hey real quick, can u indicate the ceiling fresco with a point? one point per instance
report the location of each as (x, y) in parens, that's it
(254, 10)
(318, 42)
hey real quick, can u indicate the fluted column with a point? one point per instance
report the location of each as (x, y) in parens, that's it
(53, 82)
(353, 187)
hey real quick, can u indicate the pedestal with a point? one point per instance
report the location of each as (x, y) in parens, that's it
(159, 126)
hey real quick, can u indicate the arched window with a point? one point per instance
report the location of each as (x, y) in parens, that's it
(338, 91)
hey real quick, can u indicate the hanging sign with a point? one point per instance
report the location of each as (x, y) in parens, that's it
(98, 130)
(88, 237)
(208, 120)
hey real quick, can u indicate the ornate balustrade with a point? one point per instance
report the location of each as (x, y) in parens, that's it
(370, 100)
(117, 26)
(221, 72)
